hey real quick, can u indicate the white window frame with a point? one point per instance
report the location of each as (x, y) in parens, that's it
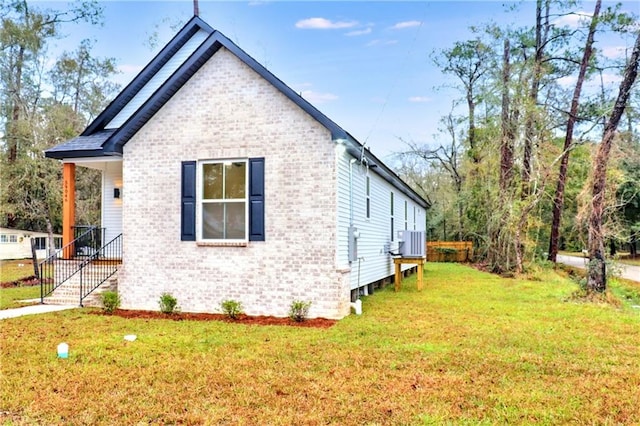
(414, 218)
(200, 201)
(367, 203)
(392, 224)
(406, 215)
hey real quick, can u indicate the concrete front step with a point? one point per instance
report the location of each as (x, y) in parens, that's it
(69, 293)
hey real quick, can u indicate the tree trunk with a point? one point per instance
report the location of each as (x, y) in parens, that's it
(596, 278)
(472, 126)
(506, 146)
(50, 239)
(558, 201)
(530, 122)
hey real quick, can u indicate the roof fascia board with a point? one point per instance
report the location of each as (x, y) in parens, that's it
(65, 155)
(103, 159)
(194, 25)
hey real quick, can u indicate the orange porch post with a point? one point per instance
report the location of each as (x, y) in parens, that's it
(68, 206)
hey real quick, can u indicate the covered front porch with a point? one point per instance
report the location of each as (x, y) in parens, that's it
(81, 239)
(91, 254)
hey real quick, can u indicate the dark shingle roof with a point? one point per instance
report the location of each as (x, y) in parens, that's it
(82, 146)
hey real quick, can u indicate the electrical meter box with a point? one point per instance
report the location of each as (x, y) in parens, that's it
(354, 234)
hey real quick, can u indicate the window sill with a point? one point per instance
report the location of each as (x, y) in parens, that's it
(222, 244)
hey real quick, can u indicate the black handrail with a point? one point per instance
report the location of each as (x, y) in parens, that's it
(60, 266)
(100, 266)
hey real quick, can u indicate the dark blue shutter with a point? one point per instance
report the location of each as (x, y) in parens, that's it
(256, 199)
(188, 212)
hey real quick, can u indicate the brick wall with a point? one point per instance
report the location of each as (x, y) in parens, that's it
(227, 111)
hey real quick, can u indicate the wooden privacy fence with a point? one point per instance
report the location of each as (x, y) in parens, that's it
(449, 251)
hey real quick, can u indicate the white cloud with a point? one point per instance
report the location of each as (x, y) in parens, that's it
(420, 99)
(573, 20)
(406, 24)
(318, 98)
(324, 24)
(614, 52)
(359, 32)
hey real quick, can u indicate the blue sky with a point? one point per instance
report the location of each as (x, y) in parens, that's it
(365, 64)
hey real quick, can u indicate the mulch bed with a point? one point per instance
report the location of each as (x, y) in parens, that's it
(22, 282)
(242, 319)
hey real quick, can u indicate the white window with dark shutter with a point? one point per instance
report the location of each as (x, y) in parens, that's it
(223, 200)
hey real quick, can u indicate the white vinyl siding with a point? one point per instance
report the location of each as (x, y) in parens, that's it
(157, 80)
(374, 241)
(112, 207)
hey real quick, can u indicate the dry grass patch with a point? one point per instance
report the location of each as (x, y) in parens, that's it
(470, 348)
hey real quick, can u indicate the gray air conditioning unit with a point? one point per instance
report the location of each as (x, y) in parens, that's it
(411, 243)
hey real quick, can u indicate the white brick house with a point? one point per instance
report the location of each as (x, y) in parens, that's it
(226, 184)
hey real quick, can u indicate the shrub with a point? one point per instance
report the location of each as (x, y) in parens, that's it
(231, 308)
(110, 301)
(299, 310)
(168, 303)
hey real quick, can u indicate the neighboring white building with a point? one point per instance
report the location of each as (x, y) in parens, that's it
(16, 243)
(226, 184)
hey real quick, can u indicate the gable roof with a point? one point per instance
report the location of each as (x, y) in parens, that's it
(97, 140)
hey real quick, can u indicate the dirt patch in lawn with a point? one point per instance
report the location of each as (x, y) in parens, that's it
(242, 319)
(22, 282)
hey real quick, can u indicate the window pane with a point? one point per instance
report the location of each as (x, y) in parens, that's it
(212, 181)
(235, 180)
(236, 221)
(212, 221)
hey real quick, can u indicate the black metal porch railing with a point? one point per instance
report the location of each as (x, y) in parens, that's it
(74, 258)
(87, 239)
(100, 266)
(61, 265)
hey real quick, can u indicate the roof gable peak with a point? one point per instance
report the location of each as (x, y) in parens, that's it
(194, 25)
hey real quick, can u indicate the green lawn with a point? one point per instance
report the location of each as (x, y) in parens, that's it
(11, 297)
(470, 348)
(13, 270)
